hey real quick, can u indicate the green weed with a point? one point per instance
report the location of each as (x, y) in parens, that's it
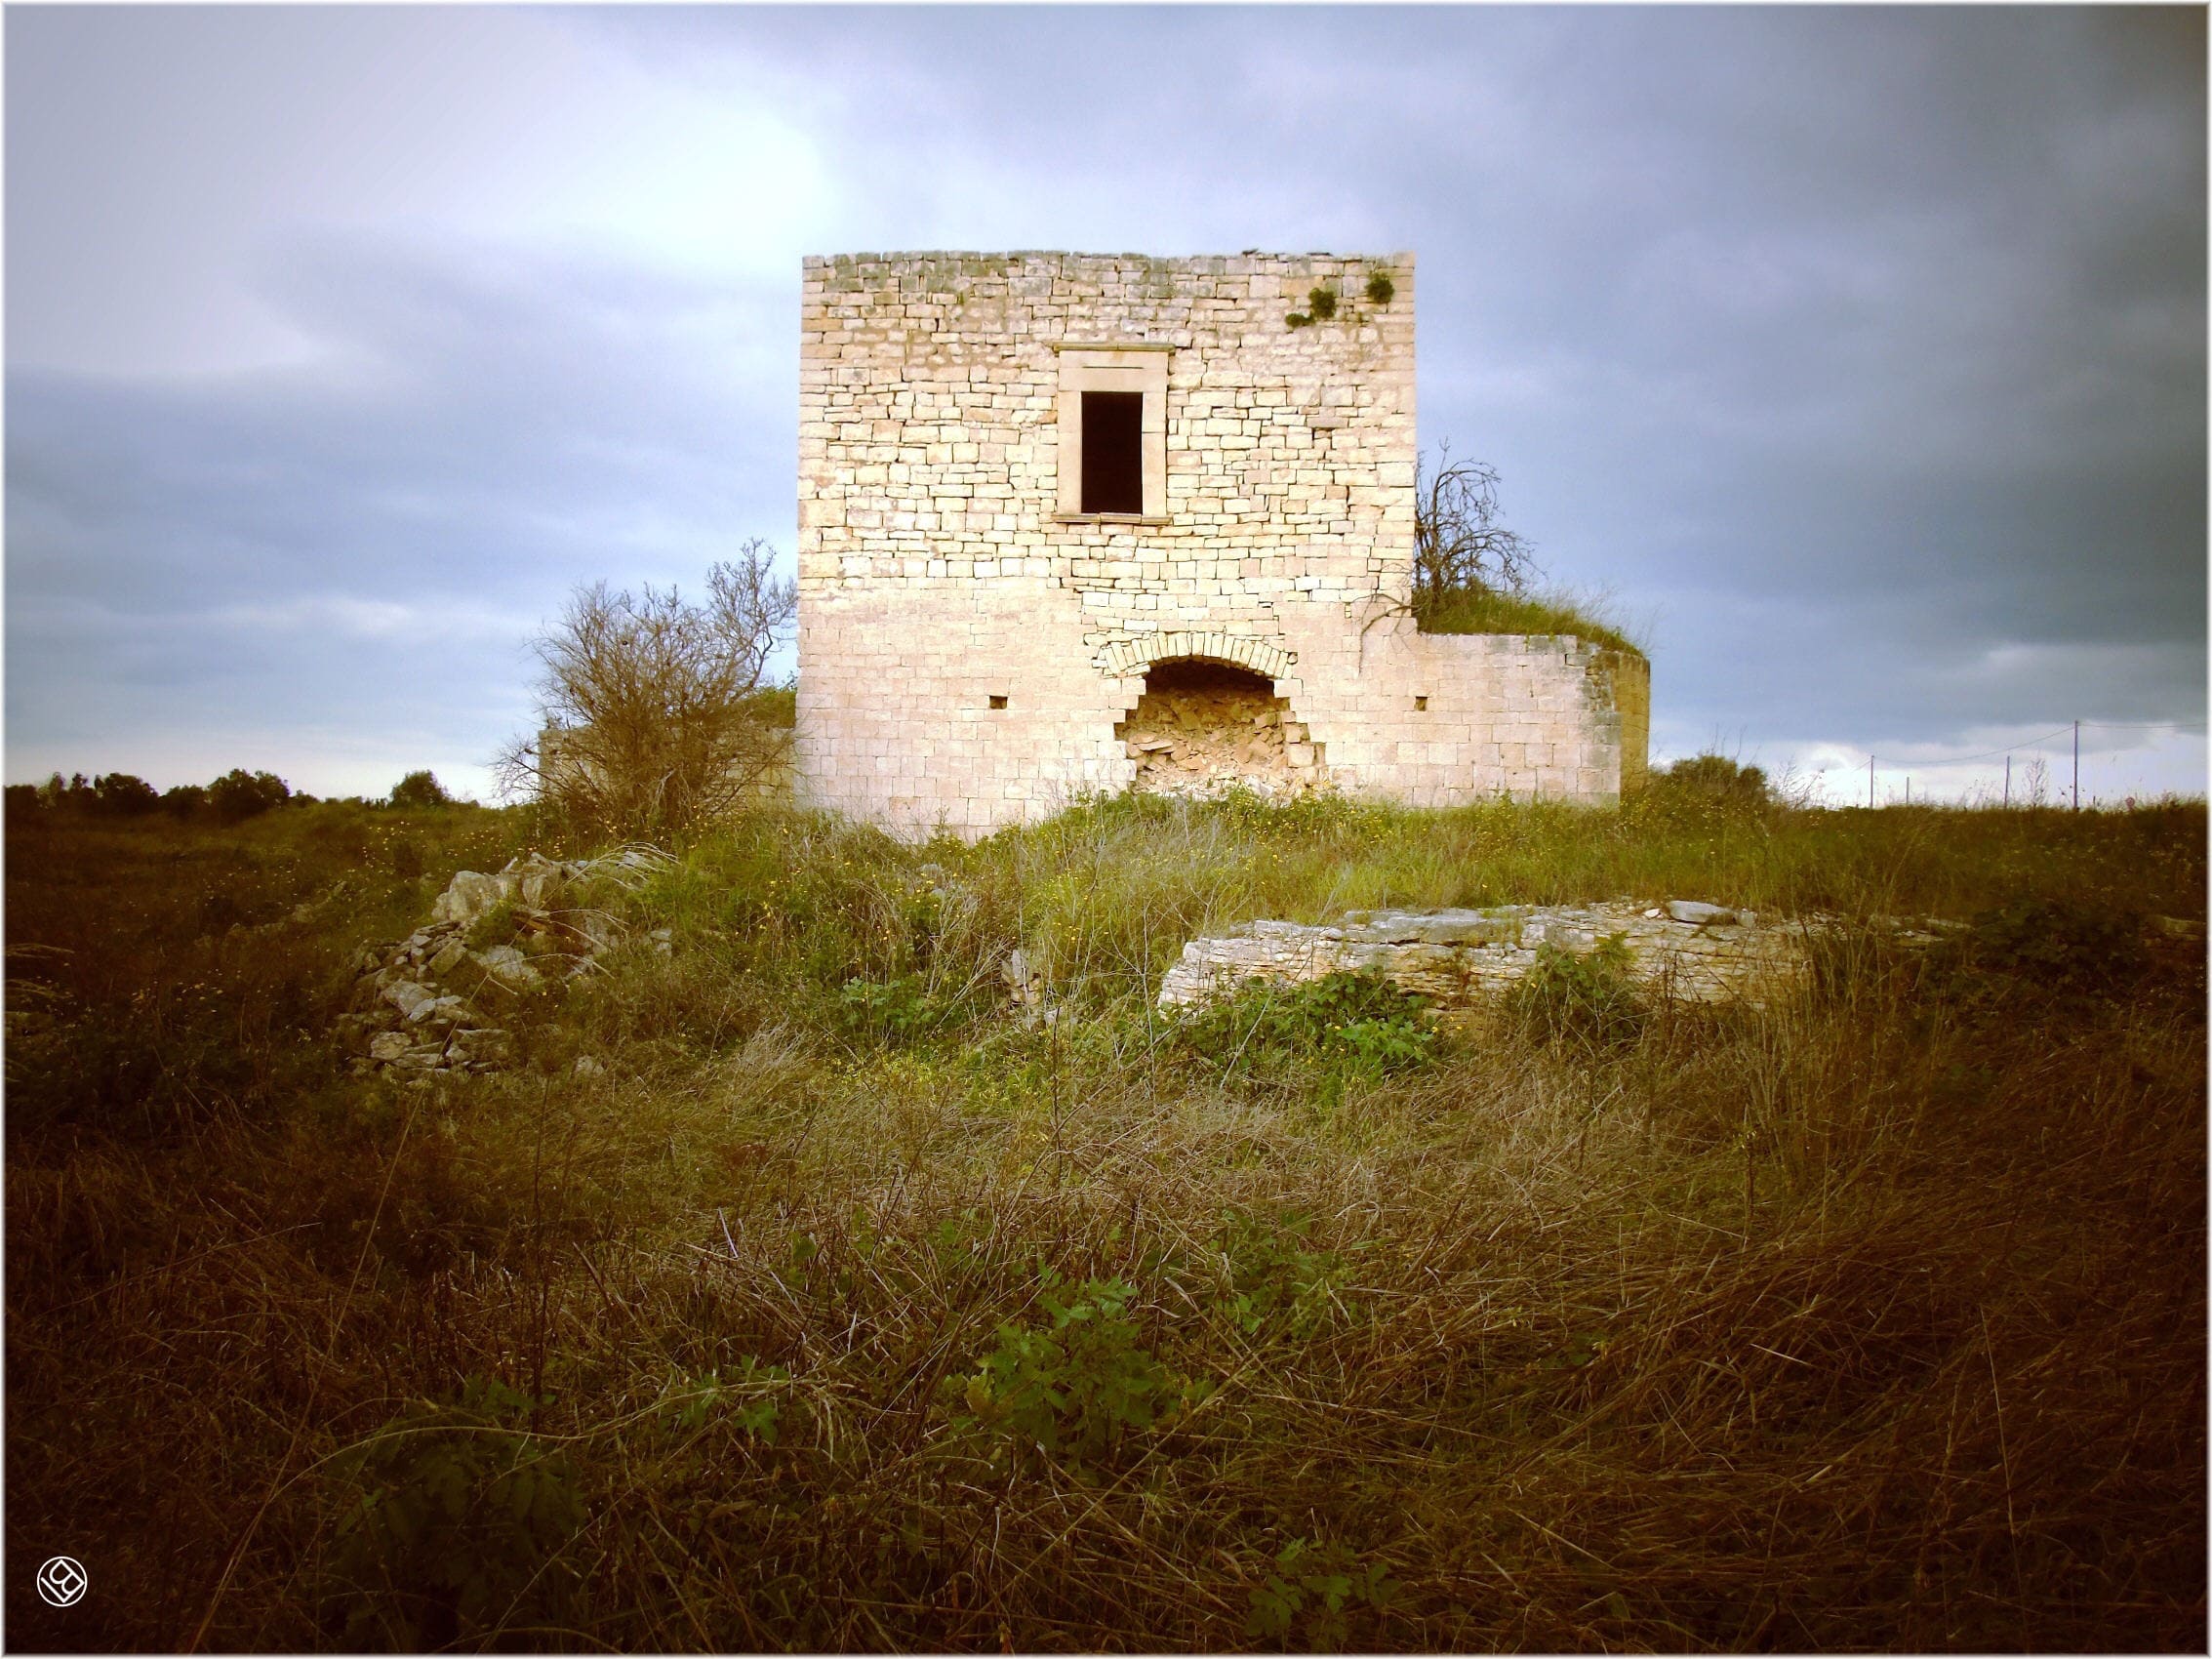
(1585, 999)
(1078, 1381)
(1311, 1591)
(459, 1514)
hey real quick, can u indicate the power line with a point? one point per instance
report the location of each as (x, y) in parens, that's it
(2030, 743)
(1992, 753)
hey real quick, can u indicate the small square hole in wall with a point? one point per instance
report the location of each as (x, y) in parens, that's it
(1421, 704)
(998, 701)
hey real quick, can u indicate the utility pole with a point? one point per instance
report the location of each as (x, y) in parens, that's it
(1908, 789)
(1869, 780)
(2078, 766)
(2008, 780)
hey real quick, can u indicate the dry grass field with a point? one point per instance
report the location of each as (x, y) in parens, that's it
(795, 1290)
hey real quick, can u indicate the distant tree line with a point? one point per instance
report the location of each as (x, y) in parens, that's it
(233, 799)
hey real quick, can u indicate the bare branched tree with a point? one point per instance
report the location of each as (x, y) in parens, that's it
(1459, 545)
(657, 714)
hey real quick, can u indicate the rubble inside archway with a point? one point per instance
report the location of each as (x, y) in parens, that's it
(1202, 729)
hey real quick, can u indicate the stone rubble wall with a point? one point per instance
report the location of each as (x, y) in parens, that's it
(966, 649)
(1457, 957)
(433, 1003)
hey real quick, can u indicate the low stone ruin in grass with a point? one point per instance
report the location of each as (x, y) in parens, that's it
(1683, 948)
(436, 1002)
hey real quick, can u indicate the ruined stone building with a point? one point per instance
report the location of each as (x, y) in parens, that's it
(1073, 523)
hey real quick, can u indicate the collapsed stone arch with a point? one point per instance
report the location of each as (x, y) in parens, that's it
(1205, 725)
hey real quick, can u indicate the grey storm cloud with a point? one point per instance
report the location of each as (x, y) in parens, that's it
(1860, 353)
(374, 536)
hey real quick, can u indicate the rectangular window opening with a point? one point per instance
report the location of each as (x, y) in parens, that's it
(997, 701)
(1113, 452)
(1421, 704)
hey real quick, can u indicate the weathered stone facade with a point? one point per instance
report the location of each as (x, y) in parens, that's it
(974, 627)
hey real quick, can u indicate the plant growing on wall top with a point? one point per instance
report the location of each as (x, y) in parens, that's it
(1321, 301)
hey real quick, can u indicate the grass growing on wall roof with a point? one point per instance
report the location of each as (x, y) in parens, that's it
(1492, 611)
(834, 1306)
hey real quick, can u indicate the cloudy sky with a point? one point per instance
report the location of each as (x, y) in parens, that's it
(1860, 354)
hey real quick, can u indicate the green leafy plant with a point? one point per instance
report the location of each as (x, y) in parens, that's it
(1278, 1286)
(1380, 290)
(1322, 303)
(1298, 319)
(897, 1010)
(496, 926)
(457, 1510)
(1361, 1022)
(747, 1401)
(1585, 999)
(2060, 948)
(1307, 1594)
(1078, 1382)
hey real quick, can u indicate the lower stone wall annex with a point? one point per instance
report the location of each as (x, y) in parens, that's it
(952, 706)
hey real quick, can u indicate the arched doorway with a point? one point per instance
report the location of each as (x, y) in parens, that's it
(1202, 728)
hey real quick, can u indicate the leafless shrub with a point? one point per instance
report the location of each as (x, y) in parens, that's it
(1460, 547)
(657, 714)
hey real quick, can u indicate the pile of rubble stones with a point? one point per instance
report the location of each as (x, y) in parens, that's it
(1204, 733)
(434, 1002)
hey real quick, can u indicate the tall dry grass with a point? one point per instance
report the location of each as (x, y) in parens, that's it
(1871, 1321)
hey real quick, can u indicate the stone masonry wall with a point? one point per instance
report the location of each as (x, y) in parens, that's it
(1685, 949)
(968, 644)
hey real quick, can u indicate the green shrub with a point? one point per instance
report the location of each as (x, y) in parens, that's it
(496, 926)
(1310, 1589)
(2060, 948)
(457, 1509)
(895, 1011)
(1583, 999)
(238, 795)
(1713, 777)
(405, 856)
(1078, 1382)
(420, 791)
(1278, 1286)
(1361, 1022)
(119, 795)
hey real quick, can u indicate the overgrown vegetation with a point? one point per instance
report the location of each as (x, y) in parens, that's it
(839, 1301)
(657, 713)
(1473, 574)
(1485, 610)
